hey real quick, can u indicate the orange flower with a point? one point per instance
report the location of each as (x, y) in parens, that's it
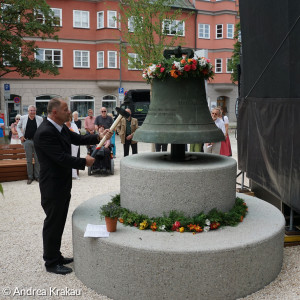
(121, 220)
(173, 73)
(183, 61)
(241, 220)
(198, 228)
(153, 226)
(190, 60)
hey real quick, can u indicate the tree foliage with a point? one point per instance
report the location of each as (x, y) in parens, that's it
(21, 22)
(235, 58)
(145, 35)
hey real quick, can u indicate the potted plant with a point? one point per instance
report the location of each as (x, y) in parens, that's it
(110, 212)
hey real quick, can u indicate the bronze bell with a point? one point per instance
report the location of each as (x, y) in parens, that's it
(178, 114)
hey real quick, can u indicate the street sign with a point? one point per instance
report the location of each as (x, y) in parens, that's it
(121, 97)
(121, 90)
(6, 91)
(17, 100)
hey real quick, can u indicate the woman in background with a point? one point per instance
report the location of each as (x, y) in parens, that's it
(225, 145)
(13, 127)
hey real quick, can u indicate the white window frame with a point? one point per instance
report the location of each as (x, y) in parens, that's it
(218, 31)
(100, 62)
(58, 14)
(43, 54)
(131, 24)
(112, 16)
(81, 66)
(218, 65)
(170, 24)
(135, 56)
(80, 14)
(100, 20)
(115, 58)
(204, 28)
(230, 31)
(228, 71)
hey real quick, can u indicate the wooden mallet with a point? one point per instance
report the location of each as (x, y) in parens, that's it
(122, 113)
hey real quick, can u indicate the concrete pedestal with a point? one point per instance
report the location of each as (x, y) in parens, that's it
(228, 263)
(151, 184)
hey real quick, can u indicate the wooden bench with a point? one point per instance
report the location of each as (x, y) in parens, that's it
(13, 165)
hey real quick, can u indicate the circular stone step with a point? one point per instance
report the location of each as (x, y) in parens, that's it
(151, 184)
(228, 263)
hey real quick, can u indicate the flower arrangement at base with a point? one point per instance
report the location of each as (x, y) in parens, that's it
(179, 68)
(177, 221)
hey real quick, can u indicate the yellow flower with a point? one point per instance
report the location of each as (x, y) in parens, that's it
(181, 229)
(143, 225)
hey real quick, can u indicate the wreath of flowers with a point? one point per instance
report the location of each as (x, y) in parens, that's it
(179, 68)
(176, 221)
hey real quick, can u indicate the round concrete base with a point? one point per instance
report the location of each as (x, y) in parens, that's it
(228, 263)
(151, 184)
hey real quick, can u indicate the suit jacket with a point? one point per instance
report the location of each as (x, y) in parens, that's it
(53, 149)
(21, 127)
(122, 129)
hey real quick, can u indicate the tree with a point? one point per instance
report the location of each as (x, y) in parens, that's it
(235, 58)
(146, 24)
(20, 21)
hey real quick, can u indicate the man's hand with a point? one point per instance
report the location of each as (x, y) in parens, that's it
(89, 160)
(106, 133)
(22, 139)
(129, 137)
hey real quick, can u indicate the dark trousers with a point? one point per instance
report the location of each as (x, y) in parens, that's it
(161, 147)
(56, 211)
(126, 148)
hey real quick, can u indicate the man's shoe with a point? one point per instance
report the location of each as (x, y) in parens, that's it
(29, 181)
(66, 260)
(59, 269)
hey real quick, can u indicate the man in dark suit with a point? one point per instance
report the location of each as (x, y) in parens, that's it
(52, 142)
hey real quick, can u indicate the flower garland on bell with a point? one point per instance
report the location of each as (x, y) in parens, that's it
(177, 221)
(179, 68)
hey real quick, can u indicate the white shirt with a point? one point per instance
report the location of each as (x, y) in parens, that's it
(58, 127)
(220, 124)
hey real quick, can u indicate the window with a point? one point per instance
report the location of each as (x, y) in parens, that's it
(52, 55)
(81, 59)
(111, 19)
(131, 24)
(135, 58)
(100, 19)
(112, 59)
(218, 65)
(100, 59)
(58, 16)
(82, 103)
(230, 31)
(219, 31)
(41, 103)
(173, 27)
(228, 60)
(81, 19)
(204, 31)
(110, 102)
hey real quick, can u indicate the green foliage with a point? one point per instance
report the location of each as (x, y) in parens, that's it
(212, 220)
(235, 58)
(20, 21)
(110, 210)
(147, 39)
(1, 189)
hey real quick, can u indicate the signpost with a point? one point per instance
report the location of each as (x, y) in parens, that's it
(121, 94)
(6, 91)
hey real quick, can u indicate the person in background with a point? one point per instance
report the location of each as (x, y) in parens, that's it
(225, 145)
(76, 120)
(113, 138)
(161, 147)
(216, 146)
(74, 148)
(13, 127)
(126, 129)
(106, 148)
(104, 119)
(26, 128)
(89, 122)
(1, 127)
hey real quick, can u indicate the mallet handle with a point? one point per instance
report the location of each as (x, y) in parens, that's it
(103, 140)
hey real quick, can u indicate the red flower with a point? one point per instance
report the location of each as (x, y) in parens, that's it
(194, 61)
(187, 68)
(194, 67)
(135, 224)
(162, 70)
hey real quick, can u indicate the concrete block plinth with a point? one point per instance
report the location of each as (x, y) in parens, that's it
(132, 264)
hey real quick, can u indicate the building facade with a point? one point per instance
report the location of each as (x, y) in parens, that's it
(92, 71)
